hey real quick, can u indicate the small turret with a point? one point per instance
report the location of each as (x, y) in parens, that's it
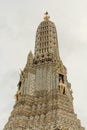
(30, 59)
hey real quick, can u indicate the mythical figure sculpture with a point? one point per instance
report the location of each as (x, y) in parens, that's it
(61, 87)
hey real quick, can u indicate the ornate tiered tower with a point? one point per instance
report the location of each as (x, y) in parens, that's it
(44, 98)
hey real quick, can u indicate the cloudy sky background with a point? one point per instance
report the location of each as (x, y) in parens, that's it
(18, 23)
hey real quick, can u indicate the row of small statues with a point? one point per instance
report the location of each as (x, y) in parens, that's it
(44, 58)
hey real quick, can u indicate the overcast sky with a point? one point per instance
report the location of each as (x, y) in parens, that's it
(19, 20)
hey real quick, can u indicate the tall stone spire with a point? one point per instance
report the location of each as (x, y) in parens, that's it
(46, 41)
(44, 98)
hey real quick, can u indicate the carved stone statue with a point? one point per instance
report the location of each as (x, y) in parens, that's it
(61, 87)
(18, 94)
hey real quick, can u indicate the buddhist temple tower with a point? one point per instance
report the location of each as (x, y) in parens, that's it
(44, 98)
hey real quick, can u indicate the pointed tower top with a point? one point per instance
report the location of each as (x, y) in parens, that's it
(46, 17)
(46, 43)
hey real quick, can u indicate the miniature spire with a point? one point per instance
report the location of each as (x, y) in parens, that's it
(46, 17)
(30, 58)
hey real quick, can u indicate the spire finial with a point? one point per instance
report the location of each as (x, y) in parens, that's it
(46, 17)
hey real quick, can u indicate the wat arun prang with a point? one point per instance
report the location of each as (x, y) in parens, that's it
(44, 98)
